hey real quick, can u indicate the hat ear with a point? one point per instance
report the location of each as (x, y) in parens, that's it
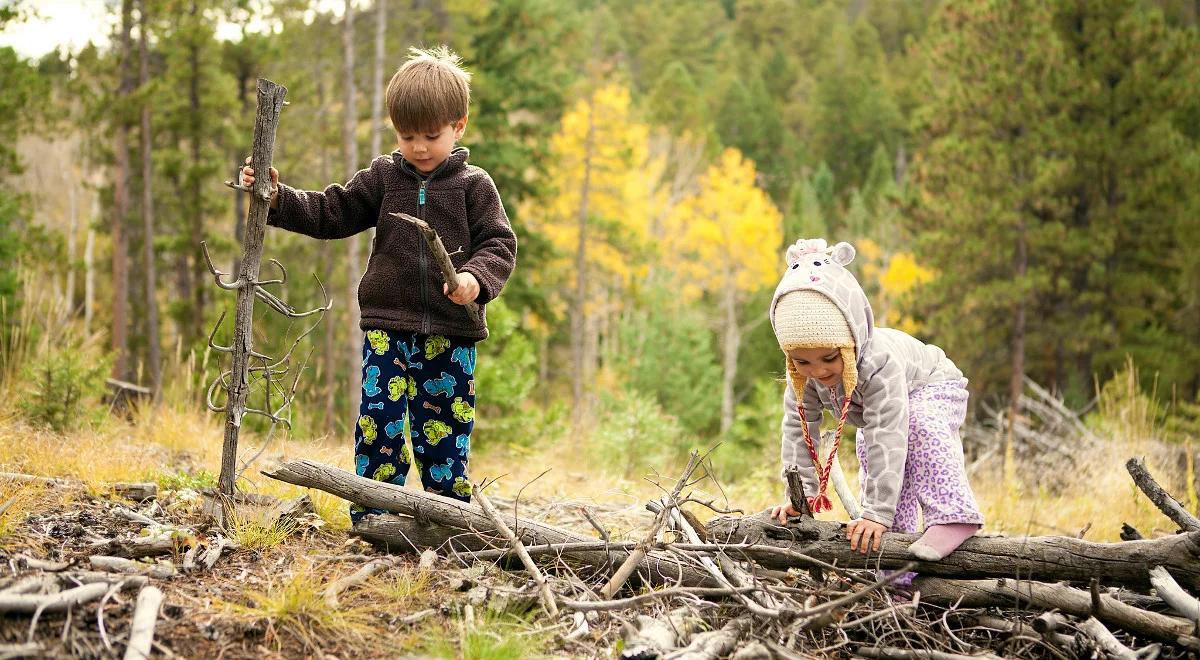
(842, 253)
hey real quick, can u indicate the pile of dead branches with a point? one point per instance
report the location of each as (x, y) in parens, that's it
(747, 587)
(106, 549)
(1045, 431)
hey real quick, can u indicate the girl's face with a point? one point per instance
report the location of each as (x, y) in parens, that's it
(822, 364)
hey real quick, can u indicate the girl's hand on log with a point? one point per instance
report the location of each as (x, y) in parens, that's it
(248, 180)
(863, 534)
(782, 512)
(467, 291)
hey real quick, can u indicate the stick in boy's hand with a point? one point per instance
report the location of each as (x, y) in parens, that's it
(443, 258)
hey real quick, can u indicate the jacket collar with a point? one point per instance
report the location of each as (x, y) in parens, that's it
(455, 162)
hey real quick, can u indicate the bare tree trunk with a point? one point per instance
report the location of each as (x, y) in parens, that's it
(329, 354)
(1017, 378)
(377, 87)
(72, 228)
(120, 236)
(199, 293)
(579, 324)
(731, 336)
(353, 258)
(377, 79)
(152, 338)
(89, 272)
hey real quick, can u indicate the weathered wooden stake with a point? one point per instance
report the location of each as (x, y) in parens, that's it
(270, 103)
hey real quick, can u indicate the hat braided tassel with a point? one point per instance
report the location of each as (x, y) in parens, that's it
(821, 501)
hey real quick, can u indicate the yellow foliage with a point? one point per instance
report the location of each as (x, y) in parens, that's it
(601, 151)
(903, 273)
(726, 236)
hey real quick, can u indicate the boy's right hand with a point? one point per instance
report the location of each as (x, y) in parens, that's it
(782, 512)
(248, 180)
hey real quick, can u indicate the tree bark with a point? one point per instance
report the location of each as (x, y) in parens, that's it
(120, 235)
(270, 103)
(1076, 602)
(196, 265)
(579, 319)
(329, 356)
(1169, 506)
(1047, 558)
(377, 79)
(353, 256)
(154, 356)
(438, 521)
(731, 339)
(89, 277)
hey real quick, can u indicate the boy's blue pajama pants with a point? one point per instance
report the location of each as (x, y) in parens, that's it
(429, 378)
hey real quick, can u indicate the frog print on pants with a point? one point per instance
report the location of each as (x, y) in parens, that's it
(430, 381)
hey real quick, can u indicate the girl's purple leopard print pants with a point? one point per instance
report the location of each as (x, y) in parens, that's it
(935, 477)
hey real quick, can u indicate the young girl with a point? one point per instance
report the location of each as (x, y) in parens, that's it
(906, 397)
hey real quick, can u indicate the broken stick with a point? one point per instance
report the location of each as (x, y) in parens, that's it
(443, 259)
(631, 562)
(145, 616)
(518, 547)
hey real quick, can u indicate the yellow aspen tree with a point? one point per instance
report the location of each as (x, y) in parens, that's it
(725, 241)
(597, 219)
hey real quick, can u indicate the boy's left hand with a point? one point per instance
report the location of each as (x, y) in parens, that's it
(467, 291)
(862, 532)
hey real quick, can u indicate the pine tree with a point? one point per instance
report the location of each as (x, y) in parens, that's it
(21, 84)
(853, 111)
(1132, 191)
(517, 97)
(987, 208)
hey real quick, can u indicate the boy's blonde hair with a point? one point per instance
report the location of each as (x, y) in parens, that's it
(429, 91)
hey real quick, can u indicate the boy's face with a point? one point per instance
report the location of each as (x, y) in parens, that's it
(427, 150)
(822, 364)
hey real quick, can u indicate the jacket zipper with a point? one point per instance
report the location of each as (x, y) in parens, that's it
(424, 268)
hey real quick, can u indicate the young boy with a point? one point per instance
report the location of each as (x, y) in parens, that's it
(419, 350)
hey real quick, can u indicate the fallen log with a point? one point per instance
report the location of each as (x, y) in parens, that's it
(133, 491)
(439, 520)
(1043, 558)
(1174, 595)
(159, 570)
(1106, 641)
(1076, 602)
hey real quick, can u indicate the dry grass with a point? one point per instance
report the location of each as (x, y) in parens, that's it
(293, 607)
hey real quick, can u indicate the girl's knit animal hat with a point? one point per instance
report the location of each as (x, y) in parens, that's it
(804, 315)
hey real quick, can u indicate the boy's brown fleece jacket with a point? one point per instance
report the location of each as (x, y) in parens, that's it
(402, 287)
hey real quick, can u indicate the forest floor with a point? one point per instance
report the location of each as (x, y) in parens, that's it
(266, 596)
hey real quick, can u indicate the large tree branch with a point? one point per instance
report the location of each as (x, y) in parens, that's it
(1048, 558)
